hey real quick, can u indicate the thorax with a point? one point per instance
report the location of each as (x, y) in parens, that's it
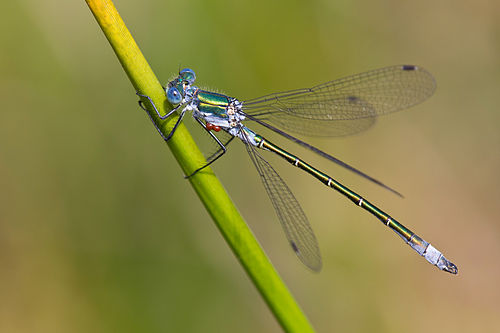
(217, 109)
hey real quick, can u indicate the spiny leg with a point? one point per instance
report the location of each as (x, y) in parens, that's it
(154, 106)
(169, 136)
(222, 151)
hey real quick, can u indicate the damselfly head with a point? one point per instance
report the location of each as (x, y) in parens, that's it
(178, 87)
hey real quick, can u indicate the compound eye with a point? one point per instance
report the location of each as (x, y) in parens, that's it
(188, 75)
(174, 96)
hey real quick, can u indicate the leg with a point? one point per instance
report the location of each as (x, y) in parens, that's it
(216, 157)
(169, 136)
(154, 106)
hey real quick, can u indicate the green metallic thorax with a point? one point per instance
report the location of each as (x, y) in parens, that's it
(213, 103)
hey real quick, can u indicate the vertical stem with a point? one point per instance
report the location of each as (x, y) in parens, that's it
(210, 191)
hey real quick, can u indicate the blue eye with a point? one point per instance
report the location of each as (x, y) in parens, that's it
(188, 75)
(174, 96)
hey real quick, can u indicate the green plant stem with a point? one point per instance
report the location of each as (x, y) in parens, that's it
(207, 186)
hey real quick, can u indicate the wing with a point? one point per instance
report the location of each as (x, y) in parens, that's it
(291, 216)
(346, 105)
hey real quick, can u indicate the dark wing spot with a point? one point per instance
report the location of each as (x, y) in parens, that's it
(409, 68)
(352, 99)
(294, 247)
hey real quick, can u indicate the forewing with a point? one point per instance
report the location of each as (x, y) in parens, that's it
(356, 97)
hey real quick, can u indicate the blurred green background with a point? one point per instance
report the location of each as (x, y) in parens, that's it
(99, 232)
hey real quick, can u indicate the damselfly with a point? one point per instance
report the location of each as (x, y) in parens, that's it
(338, 107)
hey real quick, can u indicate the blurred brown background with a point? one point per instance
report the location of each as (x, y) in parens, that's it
(99, 232)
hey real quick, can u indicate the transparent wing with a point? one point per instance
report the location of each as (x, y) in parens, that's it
(291, 216)
(322, 127)
(357, 98)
